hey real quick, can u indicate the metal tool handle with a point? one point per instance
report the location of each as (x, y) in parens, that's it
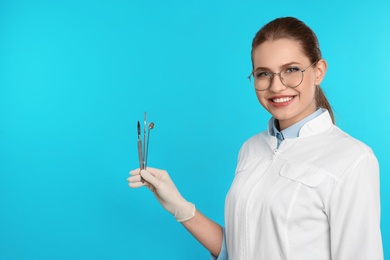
(141, 161)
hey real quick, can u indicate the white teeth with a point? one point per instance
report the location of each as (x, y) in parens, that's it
(281, 100)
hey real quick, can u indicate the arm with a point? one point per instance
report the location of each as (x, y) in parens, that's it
(207, 232)
(354, 212)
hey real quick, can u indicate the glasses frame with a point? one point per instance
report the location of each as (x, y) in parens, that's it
(280, 77)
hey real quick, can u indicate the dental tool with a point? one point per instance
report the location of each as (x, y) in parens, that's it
(141, 163)
(140, 156)
(144, 154)
(143, 148)
(150, 127)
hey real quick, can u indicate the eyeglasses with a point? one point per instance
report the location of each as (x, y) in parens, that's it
(290, 76)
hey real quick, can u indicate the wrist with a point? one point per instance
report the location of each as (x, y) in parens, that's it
(185, 211)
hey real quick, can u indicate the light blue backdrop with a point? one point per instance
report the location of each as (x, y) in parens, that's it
(76, 76)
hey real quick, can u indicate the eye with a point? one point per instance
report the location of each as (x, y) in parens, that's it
(261, 74)
(291, 70)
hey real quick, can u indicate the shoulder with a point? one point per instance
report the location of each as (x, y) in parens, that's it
(256, 146)
(348, 143)
(256, 143)
(339, 152)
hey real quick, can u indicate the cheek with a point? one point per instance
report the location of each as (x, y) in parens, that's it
(261, 98)
(312, 90)
(308, 88)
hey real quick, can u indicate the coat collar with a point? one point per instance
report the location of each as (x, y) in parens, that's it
(315, 125)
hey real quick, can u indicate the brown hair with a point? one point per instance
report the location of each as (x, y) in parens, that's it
(292, 28)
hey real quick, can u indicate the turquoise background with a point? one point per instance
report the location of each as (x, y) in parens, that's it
(76, 76)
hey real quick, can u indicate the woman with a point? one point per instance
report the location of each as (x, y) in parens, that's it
(303, 189)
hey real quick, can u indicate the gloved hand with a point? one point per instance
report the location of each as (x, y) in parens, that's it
(159, 182)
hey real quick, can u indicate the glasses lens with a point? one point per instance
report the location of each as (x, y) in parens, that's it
(291, 77)
(260, 80)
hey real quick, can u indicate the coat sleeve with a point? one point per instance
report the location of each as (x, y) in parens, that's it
(354, 212)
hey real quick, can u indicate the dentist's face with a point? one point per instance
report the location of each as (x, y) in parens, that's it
(288, 105)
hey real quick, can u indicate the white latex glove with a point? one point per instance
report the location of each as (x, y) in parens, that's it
(159, 182)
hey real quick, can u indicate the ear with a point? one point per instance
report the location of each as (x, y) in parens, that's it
(320, 70)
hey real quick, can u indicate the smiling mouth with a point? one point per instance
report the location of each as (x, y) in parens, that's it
(282, 100)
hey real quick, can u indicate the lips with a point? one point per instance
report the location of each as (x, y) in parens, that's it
(281, 101)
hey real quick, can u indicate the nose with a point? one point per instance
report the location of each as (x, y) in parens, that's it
(276, 85)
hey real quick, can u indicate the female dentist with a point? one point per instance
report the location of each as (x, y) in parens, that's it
(303, 189)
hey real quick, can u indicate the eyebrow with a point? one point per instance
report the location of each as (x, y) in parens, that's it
(283, 66)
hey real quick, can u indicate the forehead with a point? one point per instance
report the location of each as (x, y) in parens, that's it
(276, 53)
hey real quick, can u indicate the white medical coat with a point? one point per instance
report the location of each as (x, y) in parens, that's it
(316, 197)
